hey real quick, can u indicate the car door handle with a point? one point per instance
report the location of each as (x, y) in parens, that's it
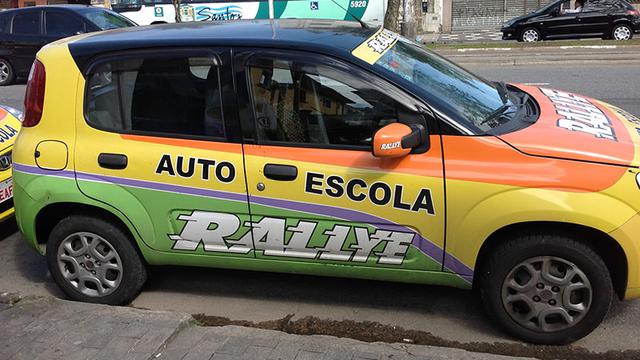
(112, 161)
(280, 172)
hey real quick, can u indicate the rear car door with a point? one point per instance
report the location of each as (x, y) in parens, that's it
(316, 192)
(26, 37)
(153, 144)
(594, 18)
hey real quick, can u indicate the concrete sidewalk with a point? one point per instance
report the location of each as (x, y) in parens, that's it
(49, 328)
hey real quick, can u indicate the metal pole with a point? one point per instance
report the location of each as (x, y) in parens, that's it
(271, 11)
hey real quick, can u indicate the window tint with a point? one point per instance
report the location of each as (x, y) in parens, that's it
(179, 96)
(5, 19)
(309, 104)
(104, 19)
(27, 23)
(60, 24)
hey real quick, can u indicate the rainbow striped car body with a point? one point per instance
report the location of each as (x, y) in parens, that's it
(429, 217)
(9, 127)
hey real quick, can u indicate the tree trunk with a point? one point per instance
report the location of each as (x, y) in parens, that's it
(392, 17)
(176, 7)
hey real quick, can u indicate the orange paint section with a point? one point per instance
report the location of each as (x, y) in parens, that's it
(195, 144)
(546, 133)
(427, 164)
(3, 113)
(488, 159)
(387, 142)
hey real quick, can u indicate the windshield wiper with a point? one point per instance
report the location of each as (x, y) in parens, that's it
(496, 114)
(501, 87)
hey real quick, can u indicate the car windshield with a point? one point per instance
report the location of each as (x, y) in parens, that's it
(106, 20)
(479, 106)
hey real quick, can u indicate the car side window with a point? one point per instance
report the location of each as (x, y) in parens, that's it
(5, 20)
(175, 96)
(304, 103)
(61, 24)
(26, 23)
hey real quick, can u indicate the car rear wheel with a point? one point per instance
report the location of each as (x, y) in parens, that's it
(546, 289)
(530, 35)
(6, 73)
(621, 32)
(94, 261)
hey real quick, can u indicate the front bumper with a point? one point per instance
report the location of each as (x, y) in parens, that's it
(509, 34)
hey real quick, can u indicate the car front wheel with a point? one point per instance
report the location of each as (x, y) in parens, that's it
(621, 32)
(530, 35)
(95, 261)
(546, 289)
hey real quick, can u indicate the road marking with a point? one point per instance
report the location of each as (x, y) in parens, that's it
(484, 49)
(536, 84)
(589, 47)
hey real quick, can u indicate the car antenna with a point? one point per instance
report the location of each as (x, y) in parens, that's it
(362, 23)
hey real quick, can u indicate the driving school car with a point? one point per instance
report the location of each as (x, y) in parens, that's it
(9, 127)
(323, 148)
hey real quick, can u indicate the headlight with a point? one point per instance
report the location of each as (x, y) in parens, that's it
(508, 24)
(15, 112)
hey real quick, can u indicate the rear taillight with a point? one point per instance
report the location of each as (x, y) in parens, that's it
(34, 97)
(634, 13)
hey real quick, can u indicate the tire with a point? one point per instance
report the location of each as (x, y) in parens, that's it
(518, 310)
(98, 252)
(622, 32)
(7, 74)
(530, 34)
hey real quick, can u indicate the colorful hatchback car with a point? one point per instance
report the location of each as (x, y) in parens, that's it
(323, 148)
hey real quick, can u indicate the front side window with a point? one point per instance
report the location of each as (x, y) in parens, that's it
(27, 23)
(106, 20)
(59, 24)
(302, 103)
(157, 95)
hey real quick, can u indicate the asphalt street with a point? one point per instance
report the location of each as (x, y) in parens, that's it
(450, 314)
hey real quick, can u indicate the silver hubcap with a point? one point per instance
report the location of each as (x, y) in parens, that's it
(4, 72)
(530, 36)
(622, 33)
(546, 294)
(90, 264)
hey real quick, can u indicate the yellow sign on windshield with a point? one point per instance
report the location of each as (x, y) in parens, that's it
(377, 45)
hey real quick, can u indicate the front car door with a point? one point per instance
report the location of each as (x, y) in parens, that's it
(316, 193)
(156, 143)
(561, 24)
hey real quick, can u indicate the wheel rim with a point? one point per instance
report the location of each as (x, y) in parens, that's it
(530, 35)
(4, 71)
(546, 294)
(622, 33)
(90, 264)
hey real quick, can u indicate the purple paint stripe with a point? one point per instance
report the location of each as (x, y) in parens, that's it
(427, 247)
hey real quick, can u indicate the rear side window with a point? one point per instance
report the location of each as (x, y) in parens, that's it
(5, 20)
(61, 24)
(177, 96)
(26, 23)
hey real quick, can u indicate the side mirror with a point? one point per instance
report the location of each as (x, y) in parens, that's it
(397, 140)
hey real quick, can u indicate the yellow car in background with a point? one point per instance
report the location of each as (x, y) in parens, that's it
(9, 126)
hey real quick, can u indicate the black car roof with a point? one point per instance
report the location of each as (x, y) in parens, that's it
(326, 36)
(58, 6)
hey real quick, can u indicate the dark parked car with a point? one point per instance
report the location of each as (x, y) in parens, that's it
(24, 31)
(607, 19)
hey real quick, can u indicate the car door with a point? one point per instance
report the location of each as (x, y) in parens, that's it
(316, 192)
(594, 18)
(60, 24)
(153, 144)
(561, 24)
(26, 37)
